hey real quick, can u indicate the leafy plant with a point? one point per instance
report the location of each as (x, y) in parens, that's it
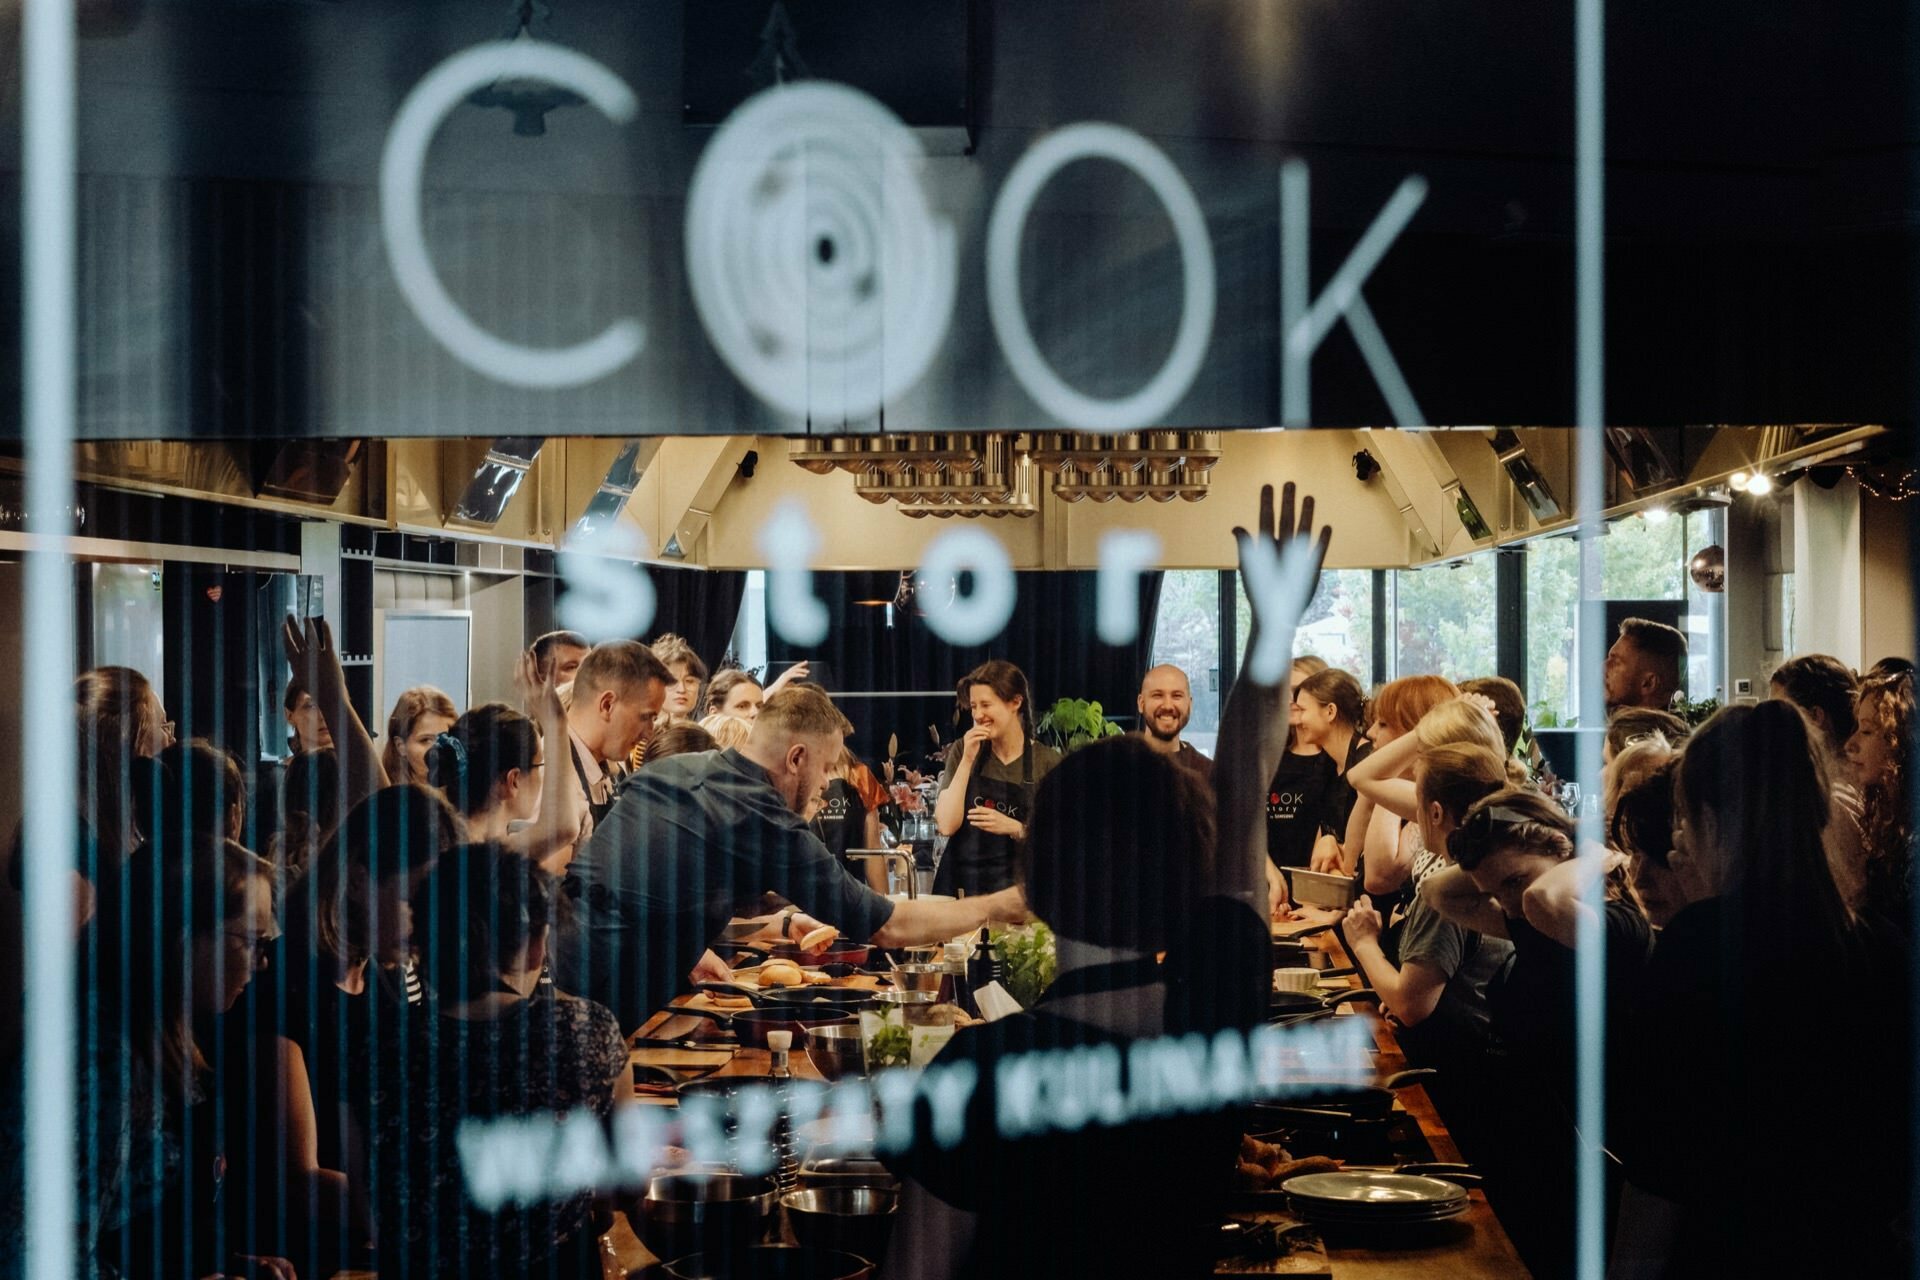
(1071, 723)
(1695, 713)
(1544, 715)
(1025, 955)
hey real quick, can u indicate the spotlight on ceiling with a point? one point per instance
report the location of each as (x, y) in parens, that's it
(1739, 481)
(1760, 485)
(1655, 515)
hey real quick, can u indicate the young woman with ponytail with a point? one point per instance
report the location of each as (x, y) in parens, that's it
(986, 791)
(492, 766)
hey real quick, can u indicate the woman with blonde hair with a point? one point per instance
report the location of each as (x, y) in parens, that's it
(1378, 839)
(728, 731)
(420, 715)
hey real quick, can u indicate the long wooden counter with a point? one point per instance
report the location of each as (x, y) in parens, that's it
(1478, 1249)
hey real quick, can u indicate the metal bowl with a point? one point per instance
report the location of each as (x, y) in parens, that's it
(777, 1262)
(856, 1219)
(719, 1214)
(919, 977)
(837, 1051)
(906, 999)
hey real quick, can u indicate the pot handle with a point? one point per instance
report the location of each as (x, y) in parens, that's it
(1348, 997)
(711, 1015)
(1347, 972)
(727, 989)
(1407, 1079)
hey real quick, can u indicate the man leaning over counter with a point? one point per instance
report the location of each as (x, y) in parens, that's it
(691, 838)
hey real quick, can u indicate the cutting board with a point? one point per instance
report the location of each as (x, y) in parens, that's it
(1308, 1258)
(715, 1057)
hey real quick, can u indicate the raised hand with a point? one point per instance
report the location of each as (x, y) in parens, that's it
(538, 692)
(308, 645)
(798, 671)
(1279, 566)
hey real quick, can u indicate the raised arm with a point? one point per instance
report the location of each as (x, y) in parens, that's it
(1552, 903)
(1452, 892)
(549, 840)
(798, 671)
(309, 649)
(1380, 777)
(1280, 567)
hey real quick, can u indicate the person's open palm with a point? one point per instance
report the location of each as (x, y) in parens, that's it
(1280, 567)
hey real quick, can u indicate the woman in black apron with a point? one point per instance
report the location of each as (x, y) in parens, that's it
(986, 790)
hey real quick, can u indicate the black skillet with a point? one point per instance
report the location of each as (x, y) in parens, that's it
(810, 997)
(750, 1026)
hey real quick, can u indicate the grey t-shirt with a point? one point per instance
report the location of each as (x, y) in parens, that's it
(1468, 959)
(687, 839)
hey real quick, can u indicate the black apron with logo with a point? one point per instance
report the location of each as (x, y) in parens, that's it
(976, 861)
(596, 810)
(842, 819)
(1293, 801)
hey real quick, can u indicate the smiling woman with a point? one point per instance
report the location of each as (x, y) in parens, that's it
(986, 789)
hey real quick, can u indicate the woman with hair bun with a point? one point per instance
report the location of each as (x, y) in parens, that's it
(986, 790)
(492, 767)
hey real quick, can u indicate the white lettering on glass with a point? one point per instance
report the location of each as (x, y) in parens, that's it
(1125, 554)
(608, 596)
(982, 613)
(401, 163)
(788, 542)
(1304, 327)
(822, 275)
(1152, 403)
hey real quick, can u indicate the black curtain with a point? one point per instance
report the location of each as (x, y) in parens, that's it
(1050, 637)
(702, 605)
(212, 647)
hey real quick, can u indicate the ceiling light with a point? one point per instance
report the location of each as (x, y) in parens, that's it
(1655, 515)
(1739, 481)
(1760, 485)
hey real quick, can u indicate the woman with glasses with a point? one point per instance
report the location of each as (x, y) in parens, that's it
(1515, 876)
(492, 768)
(179, 936)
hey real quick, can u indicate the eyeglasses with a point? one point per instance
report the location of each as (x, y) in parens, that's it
(255, 944)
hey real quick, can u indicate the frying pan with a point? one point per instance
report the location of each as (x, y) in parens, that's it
(853, 953)
(794, 997)
(1360, 1101)
(750, 1026)
(1288, 1003)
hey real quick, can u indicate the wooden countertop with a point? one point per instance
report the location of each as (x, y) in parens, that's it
(1478, 1249)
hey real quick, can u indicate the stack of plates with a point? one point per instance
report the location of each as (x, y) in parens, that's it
(1374, 1199)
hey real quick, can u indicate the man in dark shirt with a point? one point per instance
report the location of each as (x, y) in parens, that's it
(692, 836)
(1166, 705)
(1646, 665)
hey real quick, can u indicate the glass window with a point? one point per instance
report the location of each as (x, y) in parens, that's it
(1553, 602)
(1643, 559)
(1443, 619)
(1337, 626)
(749, 644)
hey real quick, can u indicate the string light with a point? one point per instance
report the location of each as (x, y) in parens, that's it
(1893, 484)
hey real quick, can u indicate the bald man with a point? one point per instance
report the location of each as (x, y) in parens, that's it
(1166, 704)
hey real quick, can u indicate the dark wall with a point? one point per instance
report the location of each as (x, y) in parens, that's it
(1759, 253)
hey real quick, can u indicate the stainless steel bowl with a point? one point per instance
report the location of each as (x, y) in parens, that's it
(856, 1219)
(719, 1214)
(837, 1051)
(906, 999)
(919, 977)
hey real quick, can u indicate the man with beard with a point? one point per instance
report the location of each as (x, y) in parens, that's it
(1166, 704)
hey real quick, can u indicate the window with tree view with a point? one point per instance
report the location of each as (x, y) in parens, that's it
(1443, 619)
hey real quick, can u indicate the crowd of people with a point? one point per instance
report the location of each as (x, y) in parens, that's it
(277, 1049)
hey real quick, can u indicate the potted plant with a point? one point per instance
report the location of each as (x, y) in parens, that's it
(1072, 722)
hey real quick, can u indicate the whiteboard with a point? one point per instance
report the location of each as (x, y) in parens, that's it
(415, 647)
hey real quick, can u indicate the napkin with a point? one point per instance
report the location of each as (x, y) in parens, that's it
(994, 1001)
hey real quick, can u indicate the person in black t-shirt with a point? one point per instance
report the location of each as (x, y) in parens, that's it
(1515, 876)
(1332, 716)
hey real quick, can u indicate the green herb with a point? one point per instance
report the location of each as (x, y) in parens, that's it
(1027, 961)
(1072, 723)
(891, 1046)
